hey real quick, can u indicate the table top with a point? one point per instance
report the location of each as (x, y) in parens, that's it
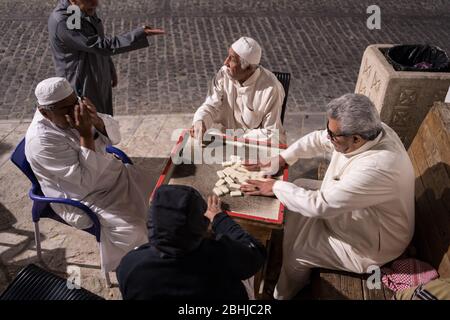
(202, 175)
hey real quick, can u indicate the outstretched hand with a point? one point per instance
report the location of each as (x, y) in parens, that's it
(269, 167)
(214, 207)
(149, 31)
(258, 187)
(197, 131)
(256, 166)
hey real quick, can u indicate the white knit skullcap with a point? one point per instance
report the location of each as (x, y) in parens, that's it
(248, 49)
(52, 90)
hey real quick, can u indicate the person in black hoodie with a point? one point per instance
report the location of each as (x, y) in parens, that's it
(180, 262)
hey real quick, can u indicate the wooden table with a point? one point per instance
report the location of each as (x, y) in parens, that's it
(258, 215)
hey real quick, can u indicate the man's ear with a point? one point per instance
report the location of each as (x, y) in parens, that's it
(356, 139)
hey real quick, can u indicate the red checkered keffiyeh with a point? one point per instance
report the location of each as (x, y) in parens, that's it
(407, 273)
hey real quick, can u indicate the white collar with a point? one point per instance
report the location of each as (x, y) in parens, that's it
(366, 146)
(251, 80)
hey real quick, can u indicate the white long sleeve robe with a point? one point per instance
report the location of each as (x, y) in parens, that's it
(363, 213)
(254, 107)
(117, 193)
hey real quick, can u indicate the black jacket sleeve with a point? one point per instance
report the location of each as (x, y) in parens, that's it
(243, 254)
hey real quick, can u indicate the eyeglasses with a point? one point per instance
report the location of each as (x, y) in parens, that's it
(333, 135)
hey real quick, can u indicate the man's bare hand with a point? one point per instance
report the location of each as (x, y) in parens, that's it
(256, 165)
(258, 188)
(149, 31)
(97, 122)
(270, 167)
(81, 121)
(198, 130)
(214, 207)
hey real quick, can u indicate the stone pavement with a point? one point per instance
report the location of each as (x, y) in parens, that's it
(320, 42)
(148, 140)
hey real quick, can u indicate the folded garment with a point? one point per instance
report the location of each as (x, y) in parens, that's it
(438, 289)
(407, 273)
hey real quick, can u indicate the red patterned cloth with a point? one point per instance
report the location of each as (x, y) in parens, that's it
(407, 273)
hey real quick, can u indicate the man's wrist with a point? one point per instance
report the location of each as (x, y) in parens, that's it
(87, 140)
(277, 186)
(217, 217)
(87, 135)
(211, 216)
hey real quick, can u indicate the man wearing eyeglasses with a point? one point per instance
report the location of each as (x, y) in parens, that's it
(362, 213)
(66, 148)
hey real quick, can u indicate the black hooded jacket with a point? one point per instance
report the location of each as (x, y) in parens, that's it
(180, 263)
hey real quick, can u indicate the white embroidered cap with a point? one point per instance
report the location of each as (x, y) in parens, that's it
(248, 49)
(52, 90)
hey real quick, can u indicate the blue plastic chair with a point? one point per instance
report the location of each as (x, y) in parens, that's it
(120, 154)
(41, 204)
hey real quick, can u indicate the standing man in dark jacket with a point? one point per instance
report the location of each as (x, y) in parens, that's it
(82, 54)
(180, 263)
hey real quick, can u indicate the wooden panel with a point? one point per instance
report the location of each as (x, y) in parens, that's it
(430, 238)
(351, 287)
(430, 155)
(260, 232)
(439, 122)
(329, 287)
(337, 285)
(388, 294)
(372, 294)
(322, 169)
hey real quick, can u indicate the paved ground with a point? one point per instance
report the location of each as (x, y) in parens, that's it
(319, 41)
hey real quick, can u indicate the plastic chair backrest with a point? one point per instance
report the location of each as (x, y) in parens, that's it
(35, 283)
(19, 159)
(285, 79)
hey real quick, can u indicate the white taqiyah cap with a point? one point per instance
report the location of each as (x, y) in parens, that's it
(248, 49)
(52, 90)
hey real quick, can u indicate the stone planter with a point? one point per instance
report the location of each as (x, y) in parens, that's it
(403, 98)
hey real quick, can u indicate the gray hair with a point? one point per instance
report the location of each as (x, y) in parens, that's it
(357, 115)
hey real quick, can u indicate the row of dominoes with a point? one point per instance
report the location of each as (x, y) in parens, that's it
(231, 178)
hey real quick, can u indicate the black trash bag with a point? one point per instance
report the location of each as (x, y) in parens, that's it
(424, 58)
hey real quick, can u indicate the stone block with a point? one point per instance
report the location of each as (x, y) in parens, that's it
(403, 98)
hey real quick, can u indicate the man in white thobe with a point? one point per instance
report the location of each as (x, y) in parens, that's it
(362, 215)
(243, 96)
(65, 146)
